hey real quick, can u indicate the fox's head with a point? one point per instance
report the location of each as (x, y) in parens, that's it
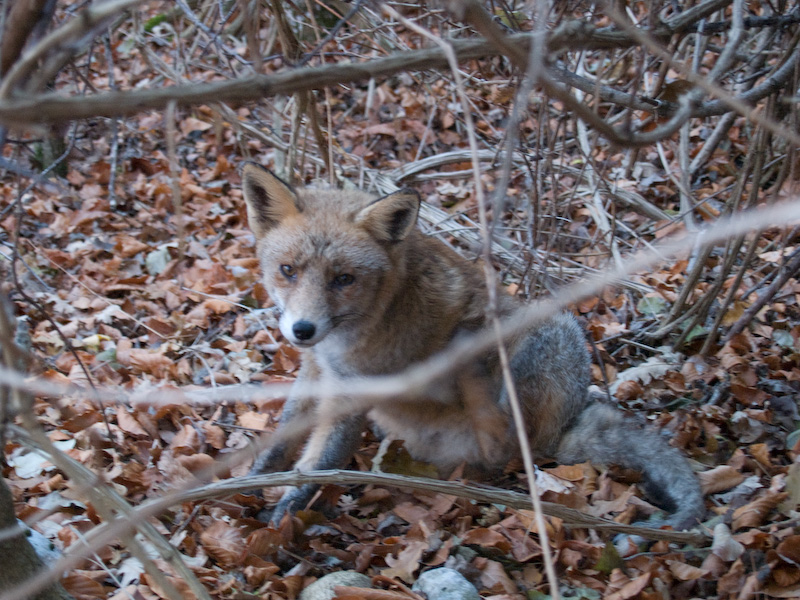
(330, 259)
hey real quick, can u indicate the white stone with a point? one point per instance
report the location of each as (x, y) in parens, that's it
(445, 584)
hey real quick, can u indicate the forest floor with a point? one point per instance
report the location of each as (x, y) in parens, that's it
(151, 296)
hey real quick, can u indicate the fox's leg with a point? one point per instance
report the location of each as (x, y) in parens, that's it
(295, 424)
(551, 371)
(489, 420)
(297, 412)
(330, 446)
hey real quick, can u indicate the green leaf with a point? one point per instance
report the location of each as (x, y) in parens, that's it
(126, 46)
(583, 594)
(609, 559)
(696, 332)
(157, 260)
(792, 483)
(109, 355)
(152, 22)
(397, 460)
(512, 20)
(783, 338)
(791, 441)
(652, 306)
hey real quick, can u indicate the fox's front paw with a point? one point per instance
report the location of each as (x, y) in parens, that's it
(293, 500)
(275, 516)
(264, 515)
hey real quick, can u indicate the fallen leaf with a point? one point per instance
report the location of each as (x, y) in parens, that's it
(757, 511)
(724, 546)
(718, 479)
(224, 543)
(407, 561)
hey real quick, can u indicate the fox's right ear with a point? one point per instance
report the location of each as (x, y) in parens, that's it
(269, 199)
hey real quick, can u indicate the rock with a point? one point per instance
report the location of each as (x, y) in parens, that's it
(323, 588)
(445, 584)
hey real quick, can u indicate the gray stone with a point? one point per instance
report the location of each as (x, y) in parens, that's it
(323, 588)
(445, 584)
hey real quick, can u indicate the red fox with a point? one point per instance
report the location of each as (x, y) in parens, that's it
(363, 292)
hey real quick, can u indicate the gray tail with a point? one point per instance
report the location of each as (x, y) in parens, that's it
(604, 435)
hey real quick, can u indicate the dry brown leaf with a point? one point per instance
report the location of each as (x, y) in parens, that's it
(751, 587)
(757, 511)
(214, 435)
(153, 363)
(346, 591)
(123, 351)
(179, 584)
(190, 124)
(719, 479)
(253, 420)
(127, 246)
(572, 473)
(785, 576)
(264, 542)
(724, 546)
(789, 550)
(224, 543)
(83, 587)
(257, 575)
(407, 561)
(186, 441)
(128, 423)
(632, 588)
(731, 582)
(493, 576)
(761, 453)
(218, 306)
(195, 463)
(773, 590)
(81, 421)
(686, 572)
(482, 536)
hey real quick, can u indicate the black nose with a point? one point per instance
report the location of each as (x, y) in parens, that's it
(303, 330)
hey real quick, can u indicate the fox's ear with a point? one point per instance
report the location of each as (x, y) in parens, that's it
(391, 218)
(269, 199)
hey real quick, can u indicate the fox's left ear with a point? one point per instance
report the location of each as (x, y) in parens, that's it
(391, 218)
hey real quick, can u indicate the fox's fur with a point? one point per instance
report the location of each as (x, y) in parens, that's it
(363, 292)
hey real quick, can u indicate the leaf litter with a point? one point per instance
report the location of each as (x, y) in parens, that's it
(143, 312)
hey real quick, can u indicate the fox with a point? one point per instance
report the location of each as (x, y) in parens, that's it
(362, 292)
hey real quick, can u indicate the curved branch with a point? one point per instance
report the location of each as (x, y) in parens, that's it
(771, 85)
(574, 35)
(75, 28)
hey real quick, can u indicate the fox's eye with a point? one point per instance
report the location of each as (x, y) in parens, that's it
(343, 280)
(289, 271)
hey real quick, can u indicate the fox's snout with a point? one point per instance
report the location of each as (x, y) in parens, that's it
(304, 330)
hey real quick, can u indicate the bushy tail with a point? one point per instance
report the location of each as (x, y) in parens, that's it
(605, 435)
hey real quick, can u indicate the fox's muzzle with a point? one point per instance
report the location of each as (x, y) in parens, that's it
(304, 330)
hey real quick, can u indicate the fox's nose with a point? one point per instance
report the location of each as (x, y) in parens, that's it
(303, 330)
